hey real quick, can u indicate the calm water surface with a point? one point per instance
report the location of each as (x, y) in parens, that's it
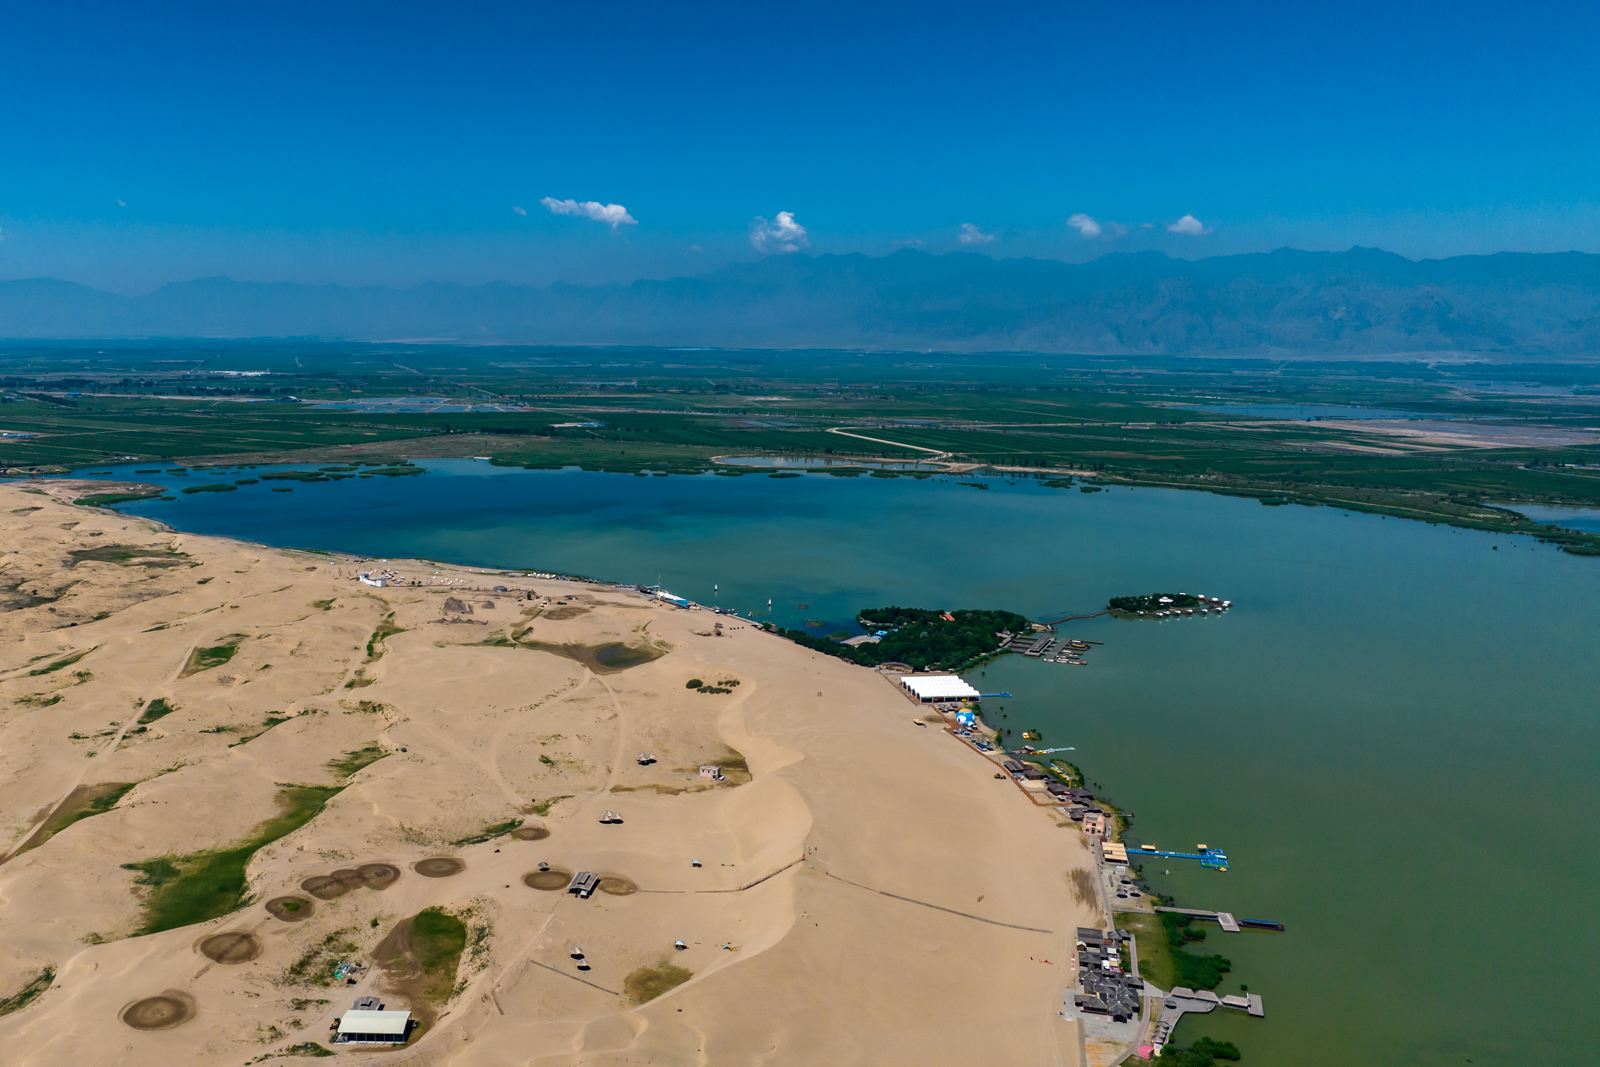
(1393, 734)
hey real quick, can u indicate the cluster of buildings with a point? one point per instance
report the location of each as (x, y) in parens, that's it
(1103, 987)
(1078, 803)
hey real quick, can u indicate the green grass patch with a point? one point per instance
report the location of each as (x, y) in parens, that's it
(29, 993)
(158, 708)
(101, 500)
(544, 806)
(65, 661)
(295, 476)
(269, 723)
(499, 829)
(437, 941)
(40, 700)
(315, 965)
(214, 487)
(355, 759)
(193, 888)
(322, 605)
(203, 659)
(129, 555)
(81, 803)
(648, 983)
(386, 629)
(1155, 953)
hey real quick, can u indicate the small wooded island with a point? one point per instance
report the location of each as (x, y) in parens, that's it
(922, 638)
(1161, 605)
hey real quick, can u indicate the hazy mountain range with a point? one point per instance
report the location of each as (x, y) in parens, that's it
(1361, 302)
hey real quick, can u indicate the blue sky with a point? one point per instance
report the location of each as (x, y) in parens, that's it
(391, 143)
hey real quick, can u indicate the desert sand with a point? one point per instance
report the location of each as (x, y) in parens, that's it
(867, 891)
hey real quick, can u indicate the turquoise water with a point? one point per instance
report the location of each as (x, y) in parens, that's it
(1393, 733)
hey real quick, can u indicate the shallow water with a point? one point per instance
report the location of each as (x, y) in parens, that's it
(1586, 520)
(1393, 733)
(1309, 411)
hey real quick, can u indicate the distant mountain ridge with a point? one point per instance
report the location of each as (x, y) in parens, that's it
(1360, 302)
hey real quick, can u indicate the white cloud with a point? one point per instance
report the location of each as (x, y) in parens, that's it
(782, 234)
(1085, 225)
(1189, 225)
(612, 214)
(1147, 225)
(121, 204)
(971, 235)
(519, 210)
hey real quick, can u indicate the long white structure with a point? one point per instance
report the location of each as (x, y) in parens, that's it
(375, 1026)
(933, 687)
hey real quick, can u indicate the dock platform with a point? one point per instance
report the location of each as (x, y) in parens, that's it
(1226, 919)
(1214, 858)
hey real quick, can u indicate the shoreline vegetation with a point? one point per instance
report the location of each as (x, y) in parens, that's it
(1439, 444)
(922, 638)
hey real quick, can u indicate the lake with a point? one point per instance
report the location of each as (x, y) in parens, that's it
(1392, 734)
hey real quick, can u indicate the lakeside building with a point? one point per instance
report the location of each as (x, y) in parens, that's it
(927, 689)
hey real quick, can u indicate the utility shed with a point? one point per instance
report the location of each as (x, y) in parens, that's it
(932, 687)
(373, 1026)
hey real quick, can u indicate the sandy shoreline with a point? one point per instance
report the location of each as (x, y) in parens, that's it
(870, 894)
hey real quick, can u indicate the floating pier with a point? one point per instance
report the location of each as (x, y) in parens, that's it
(1214, 858)
(1226, 919)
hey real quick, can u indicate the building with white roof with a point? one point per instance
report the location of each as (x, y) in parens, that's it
(388, 1027)
(928, 688)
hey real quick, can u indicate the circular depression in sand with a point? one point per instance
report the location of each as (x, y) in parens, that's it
(617, 885)
(327, 886)
(165, 1012)
(551, 879)
(530, 833)
(232, 946)
(378, 876)
(290, 909)
(375, 876)
(438, 867)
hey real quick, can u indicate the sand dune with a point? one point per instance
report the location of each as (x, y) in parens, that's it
(867, 891)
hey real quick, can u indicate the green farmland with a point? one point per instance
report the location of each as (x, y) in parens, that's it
(1459, 442)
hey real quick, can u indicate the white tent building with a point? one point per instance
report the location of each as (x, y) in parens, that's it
(373, 1026)
(930, 688)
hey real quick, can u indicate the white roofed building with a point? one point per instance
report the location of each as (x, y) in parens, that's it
(929, 688)
(388, 1027)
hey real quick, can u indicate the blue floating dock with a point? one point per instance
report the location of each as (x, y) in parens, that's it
(1214, 858)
